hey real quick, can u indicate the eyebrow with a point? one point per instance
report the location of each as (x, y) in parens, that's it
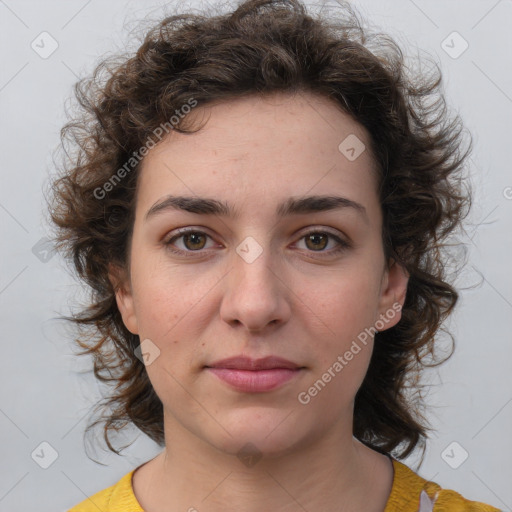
(292, 206)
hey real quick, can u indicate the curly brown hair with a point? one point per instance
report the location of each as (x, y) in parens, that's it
(261, 47)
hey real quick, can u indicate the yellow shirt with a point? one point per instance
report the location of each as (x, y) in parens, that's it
(404, 497)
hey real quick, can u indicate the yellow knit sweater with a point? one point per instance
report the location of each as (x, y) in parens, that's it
(405, 496)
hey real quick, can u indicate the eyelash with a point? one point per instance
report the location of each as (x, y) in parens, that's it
(343, 245)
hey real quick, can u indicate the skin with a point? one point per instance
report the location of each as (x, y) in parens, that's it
(211, 304)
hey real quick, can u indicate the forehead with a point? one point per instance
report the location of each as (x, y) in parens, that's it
(261, 148)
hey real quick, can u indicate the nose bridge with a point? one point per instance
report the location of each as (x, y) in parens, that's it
(254, 263)
(254, 290)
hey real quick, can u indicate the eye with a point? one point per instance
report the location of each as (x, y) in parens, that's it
(318, 240)
(194, 240)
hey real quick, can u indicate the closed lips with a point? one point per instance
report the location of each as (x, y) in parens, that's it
(248, 375)
(246, 363)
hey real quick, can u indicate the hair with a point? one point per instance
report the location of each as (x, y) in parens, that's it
(263, 47)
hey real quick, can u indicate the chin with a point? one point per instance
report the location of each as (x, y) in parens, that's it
(265, 431)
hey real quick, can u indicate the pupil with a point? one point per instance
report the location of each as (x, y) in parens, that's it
(193, 237)
(314, 239)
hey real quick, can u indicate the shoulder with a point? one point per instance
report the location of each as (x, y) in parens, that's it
(116, 498)
(412, 493)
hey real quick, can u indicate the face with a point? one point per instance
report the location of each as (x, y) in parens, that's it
(260, 280)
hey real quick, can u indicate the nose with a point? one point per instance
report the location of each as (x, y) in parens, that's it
(255, 294)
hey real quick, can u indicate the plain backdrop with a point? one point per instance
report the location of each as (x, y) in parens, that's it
(45, 395)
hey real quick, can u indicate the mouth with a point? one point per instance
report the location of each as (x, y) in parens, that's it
(246, 363)
(255, 375)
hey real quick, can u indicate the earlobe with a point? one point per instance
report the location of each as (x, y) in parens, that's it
(393, 293)
(124, 297)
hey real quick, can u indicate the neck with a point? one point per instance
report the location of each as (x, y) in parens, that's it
(335, 472)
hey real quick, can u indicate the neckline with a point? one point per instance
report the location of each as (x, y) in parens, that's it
(127, 496)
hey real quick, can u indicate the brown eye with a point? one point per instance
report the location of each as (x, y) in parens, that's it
(187, 241)
(317, 241)
(197, 240)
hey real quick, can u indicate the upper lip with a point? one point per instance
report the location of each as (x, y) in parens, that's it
(246, 363)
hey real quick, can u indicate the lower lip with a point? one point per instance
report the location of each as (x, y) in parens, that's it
(255, 381)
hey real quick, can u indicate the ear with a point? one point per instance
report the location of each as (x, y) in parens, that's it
(124, 297)
(392, 295)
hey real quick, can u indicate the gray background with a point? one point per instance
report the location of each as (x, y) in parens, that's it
(45, 398)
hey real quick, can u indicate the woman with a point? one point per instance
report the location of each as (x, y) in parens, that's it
(258, 203)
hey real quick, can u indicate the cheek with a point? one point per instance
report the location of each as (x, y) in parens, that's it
(158, 311)
(165, 295)
(345, 304)
(342, 318)
(171, 310)
(342, 353)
